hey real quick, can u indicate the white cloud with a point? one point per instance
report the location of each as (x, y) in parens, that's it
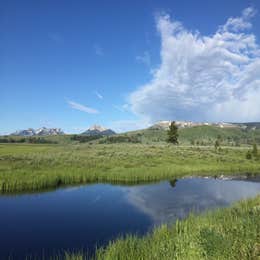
(98, 95)
(145, 59)
(165, 203)
(214, 78)
(82, 108)
(240, 23)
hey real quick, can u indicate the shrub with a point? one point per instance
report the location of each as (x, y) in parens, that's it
(249, 155)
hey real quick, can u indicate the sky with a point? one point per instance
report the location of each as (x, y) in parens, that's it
(127, 64)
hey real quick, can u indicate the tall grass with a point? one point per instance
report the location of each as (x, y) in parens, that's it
(25, 167)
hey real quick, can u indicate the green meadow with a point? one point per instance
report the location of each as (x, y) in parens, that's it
(32, 167)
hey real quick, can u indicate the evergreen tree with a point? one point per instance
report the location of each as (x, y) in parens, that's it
(217, 144)
(173, 133)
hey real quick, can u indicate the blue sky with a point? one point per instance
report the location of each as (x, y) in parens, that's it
(126, 64)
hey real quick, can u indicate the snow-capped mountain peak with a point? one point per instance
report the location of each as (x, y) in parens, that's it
(98, 130)
(40, 131)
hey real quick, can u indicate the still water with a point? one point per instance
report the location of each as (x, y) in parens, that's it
(89, 216)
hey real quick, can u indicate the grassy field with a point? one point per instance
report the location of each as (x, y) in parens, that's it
(32, 167)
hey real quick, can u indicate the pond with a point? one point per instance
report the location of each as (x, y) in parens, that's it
(87, 217)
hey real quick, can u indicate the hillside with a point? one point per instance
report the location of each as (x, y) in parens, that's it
(209, 134)
(201, 135)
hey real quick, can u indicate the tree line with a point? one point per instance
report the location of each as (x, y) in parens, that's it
(30, 140)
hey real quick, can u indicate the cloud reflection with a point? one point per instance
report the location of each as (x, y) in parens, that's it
(164, 203)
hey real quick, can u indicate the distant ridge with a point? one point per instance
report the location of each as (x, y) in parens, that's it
(160, 125)
(164, 125)
(98, 130)
(250, 125)
(43, 131)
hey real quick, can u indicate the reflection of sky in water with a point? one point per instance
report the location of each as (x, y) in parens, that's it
(164, 203)
(88, 216)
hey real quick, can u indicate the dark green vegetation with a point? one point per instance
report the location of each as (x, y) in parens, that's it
(231, 233)
(253, 153)
(29, 140)
(85, 138)
(25, 167)
(52, 139)
(120, 139)
(173, 134)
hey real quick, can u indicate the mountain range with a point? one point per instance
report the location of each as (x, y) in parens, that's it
(43, 131)
(161, 125)
(164, 125)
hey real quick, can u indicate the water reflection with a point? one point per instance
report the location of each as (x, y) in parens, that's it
(88, 216)
(165, 202)
(173, 182)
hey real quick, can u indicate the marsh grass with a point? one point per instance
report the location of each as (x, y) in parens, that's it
(25, 167)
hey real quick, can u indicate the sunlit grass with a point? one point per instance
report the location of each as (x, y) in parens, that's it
(34, 167)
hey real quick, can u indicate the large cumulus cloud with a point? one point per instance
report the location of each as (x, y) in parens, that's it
(214, 78)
